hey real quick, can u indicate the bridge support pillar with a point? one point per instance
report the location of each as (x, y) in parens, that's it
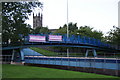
(13, 54)
(17, 56)
(22, 56)
(93, 50)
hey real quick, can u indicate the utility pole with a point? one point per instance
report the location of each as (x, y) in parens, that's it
(67, 22)
(67, 30)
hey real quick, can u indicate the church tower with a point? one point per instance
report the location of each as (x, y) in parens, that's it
(37, 20)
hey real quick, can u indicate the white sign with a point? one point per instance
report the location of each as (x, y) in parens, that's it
(35, 38)
(55, 38)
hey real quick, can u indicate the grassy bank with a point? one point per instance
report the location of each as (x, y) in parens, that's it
(15, 71)
(51, 53)
(44, 52)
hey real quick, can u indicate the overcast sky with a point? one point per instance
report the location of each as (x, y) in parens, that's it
(99, 14)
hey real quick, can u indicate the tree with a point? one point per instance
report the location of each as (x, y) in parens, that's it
(63, 30)
(44, 30)
(14, 15)
(89, 32)
(72, 27)
(97, 35)
(83, 30)
(114, 36)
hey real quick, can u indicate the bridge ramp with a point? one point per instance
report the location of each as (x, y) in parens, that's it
(30, 52)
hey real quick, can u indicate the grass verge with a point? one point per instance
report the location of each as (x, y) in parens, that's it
(17, 71)
(51, 53)
(44, 52)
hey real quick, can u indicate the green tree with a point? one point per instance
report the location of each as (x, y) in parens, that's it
(14, 15)
(83, 30)
(44, 30)
(72, 27)
(89, 32)
(63, 30)
(114, 36)
(97, 35)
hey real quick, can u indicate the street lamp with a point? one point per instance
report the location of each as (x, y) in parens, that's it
(67, 22)
(67, 30)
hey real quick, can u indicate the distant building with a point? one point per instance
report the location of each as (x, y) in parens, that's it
(53, 30)
(119, 13)
(37, 20)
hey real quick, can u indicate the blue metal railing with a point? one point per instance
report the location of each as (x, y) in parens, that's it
(75, 39)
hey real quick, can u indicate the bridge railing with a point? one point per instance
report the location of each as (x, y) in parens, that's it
(73, 39)
(77, 39)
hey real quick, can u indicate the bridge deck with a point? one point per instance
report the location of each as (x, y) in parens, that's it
(72, 41)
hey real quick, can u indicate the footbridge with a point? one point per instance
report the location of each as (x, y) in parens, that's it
(37, 40)
(21, 53)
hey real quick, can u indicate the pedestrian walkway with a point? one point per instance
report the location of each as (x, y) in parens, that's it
(30, 52)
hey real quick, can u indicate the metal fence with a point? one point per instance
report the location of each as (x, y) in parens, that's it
(6, 59)
(107, 63)
(104, 63)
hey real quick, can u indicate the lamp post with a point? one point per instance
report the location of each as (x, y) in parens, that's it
(67, 22)
(67, 30)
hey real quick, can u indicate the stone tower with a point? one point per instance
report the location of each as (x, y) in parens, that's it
(37, 20)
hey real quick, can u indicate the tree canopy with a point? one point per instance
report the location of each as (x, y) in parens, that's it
(89, 32)
(43, 30)
(63, 30)
(114, 36)
(14, 15)
(83, 30)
